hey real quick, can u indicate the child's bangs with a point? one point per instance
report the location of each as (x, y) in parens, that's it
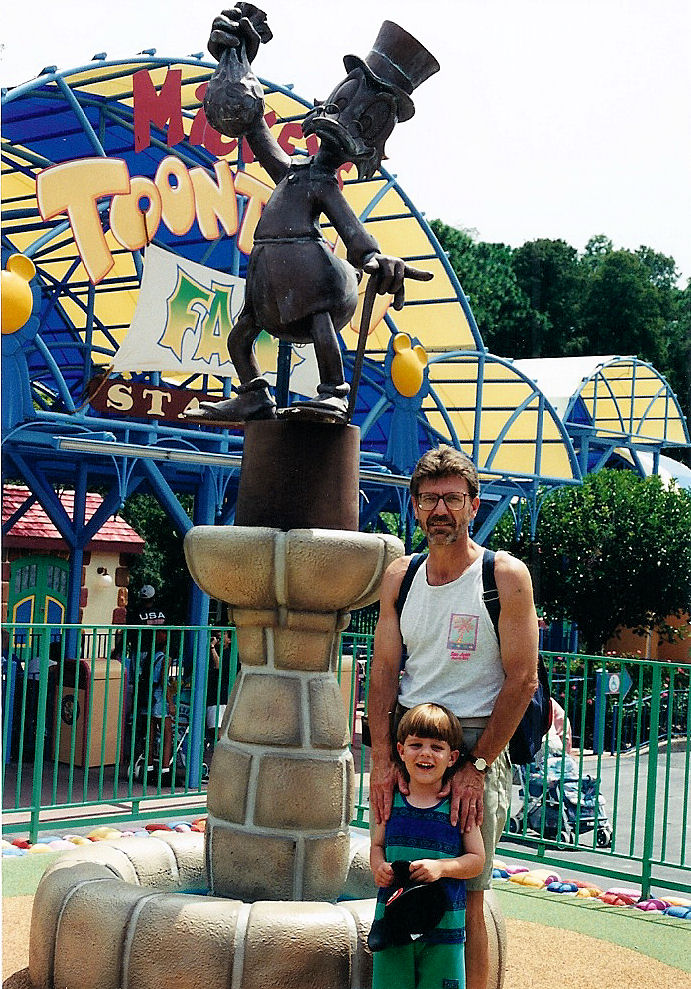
(430, 721)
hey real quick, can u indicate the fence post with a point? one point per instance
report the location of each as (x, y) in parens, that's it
(613, 732)
(651, 782)
(600, 711)
(44, 670)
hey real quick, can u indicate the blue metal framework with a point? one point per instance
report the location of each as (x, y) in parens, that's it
(52, 437)
(625, 403)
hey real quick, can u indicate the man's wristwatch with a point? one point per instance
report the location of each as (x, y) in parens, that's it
(479, 763)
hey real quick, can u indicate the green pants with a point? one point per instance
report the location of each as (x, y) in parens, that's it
(420, 966)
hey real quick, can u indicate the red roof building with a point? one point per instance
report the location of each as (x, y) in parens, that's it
(35, 530)
(35, 562)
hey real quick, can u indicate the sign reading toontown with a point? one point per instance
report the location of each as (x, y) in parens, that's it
(176, 196)
(184, 310)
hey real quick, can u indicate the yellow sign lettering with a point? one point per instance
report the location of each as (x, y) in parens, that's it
(120, 397)
(175, 197)
(133, 223)
(157, 397)
(75, 188)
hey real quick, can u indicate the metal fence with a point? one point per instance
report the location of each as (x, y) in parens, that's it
(108, 718)
(610, 793)
(108, 722)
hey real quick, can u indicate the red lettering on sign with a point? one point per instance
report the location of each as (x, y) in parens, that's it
(160, 109)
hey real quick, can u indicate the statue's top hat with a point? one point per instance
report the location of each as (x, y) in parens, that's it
(397, 61)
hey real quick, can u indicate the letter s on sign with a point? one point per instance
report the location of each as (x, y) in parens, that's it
(119, 397)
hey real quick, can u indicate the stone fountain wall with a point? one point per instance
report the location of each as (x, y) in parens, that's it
(277, 850)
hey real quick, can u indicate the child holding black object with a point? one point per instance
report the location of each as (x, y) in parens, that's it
(420, 863)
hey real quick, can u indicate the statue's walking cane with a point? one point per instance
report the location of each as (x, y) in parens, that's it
(367, 306)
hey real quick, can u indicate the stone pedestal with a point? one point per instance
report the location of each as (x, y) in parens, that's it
(280, 794)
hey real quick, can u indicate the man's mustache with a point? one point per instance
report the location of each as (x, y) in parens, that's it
(440, 520)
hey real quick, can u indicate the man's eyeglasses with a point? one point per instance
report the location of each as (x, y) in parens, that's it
(454, 500)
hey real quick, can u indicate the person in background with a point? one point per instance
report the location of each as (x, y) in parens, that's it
(160, 710)
(218, 684)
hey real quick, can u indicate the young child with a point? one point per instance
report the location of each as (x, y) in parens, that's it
(429, 741)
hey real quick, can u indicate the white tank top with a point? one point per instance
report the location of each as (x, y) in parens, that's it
(453, 652)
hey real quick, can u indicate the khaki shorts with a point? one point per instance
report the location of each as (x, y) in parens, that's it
(496, 804)
(497, 796)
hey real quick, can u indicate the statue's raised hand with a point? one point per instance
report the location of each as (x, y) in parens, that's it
(234, 98)
(242, 25)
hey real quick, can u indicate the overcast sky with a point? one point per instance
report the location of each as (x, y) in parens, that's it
(549, 118)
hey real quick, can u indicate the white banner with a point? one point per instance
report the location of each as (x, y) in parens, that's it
(182, 319)
(183, 316)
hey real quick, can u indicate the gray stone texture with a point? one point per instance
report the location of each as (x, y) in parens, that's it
(312, 621)
(183, 942)
(91, 932)
(153, 860)
(248, 617)
(252, 645)
(317, 570)
(110, 854)
(297, 946)
(188, 849)
(362, 912)
(328, 722)
(233, 563)
(245, 866)
(359, 884)
(345, 568)
(325, 866)
(56, 884)
(267, 710)
(301, 793)
(228, 781)
(299, 649)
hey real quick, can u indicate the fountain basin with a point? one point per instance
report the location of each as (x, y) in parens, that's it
(123, 914)
(281, 783)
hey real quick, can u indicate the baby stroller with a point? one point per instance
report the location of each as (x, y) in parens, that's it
(180, 707)
(570, 806)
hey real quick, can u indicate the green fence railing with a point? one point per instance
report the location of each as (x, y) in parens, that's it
(103, 718)
(105, 722)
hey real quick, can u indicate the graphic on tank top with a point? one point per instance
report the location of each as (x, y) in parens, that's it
(462, 639)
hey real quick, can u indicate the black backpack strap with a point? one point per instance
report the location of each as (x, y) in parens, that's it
(490, 594)
(416, 562)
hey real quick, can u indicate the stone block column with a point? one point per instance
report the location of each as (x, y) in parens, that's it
(280, 794)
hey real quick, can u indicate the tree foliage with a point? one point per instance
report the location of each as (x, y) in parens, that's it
(623, 309)
(551, 275)
(162, 564)
(544, 299)
(614, 551)
(501, 307)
